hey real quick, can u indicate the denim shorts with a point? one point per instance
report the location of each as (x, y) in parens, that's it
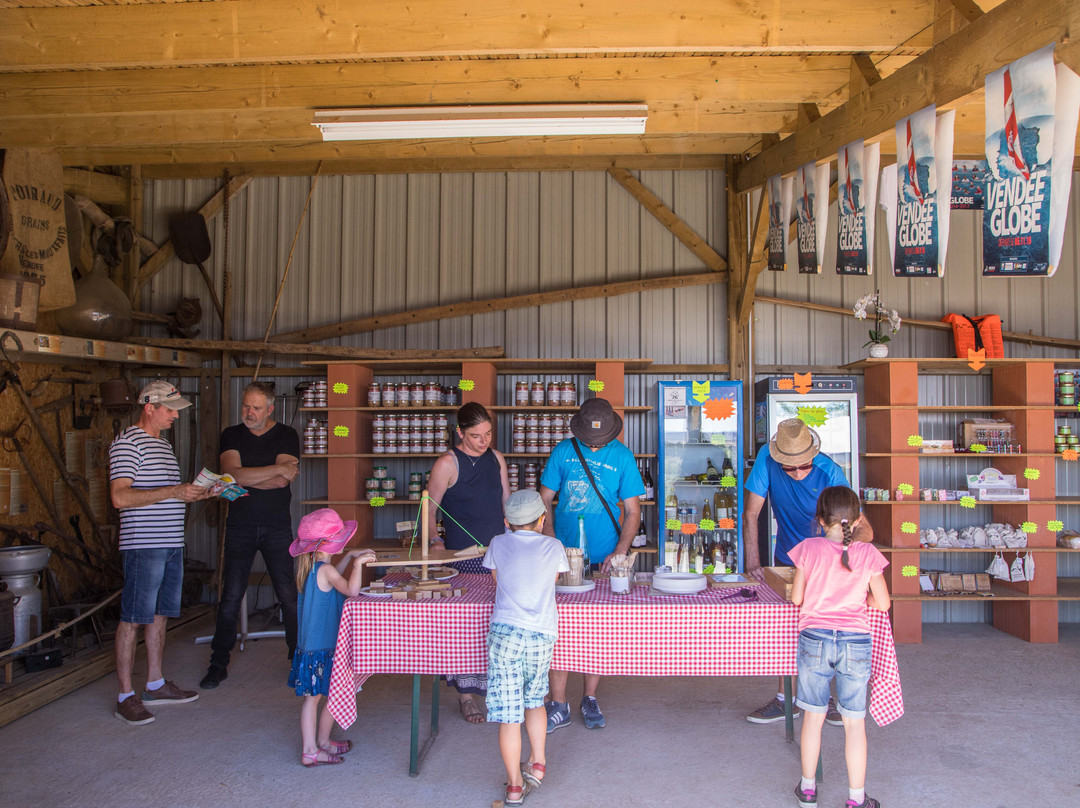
(518, 664)
(827, 653)
(152, 583)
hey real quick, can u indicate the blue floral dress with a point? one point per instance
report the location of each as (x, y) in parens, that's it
(319, 615)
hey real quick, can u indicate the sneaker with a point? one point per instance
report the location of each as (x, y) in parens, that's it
(770, 713)
(169, 693)
(807, 799)
(133, 712)
(558, 714)
(832, 715)
(214, 677)
(868, 802)
(590, 711)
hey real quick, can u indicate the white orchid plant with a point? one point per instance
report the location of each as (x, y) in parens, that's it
(877, 333)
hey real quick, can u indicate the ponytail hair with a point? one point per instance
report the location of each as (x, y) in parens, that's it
(839, 505)
(304, 563)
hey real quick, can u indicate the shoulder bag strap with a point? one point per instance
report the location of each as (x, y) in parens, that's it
(592, 481)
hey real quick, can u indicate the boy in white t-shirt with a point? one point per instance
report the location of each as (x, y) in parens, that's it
(521, 637)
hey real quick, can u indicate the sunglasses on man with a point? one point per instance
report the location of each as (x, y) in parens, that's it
(804, 467)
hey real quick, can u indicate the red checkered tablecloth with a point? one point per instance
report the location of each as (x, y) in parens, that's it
(709, 634)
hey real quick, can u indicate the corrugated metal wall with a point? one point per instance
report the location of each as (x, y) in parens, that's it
(380, 244)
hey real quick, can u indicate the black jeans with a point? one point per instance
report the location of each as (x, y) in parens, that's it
(241, 544)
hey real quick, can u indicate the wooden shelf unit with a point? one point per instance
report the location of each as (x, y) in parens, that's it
(1023, 391)
(350, 458)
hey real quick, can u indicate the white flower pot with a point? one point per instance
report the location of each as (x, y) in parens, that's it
(879, 350)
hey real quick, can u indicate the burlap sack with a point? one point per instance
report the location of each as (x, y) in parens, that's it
(38, 243)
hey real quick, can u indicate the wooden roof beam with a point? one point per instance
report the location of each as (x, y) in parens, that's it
(267, 31)
(956, 67)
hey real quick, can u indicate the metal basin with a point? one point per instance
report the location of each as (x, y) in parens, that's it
(23, 560)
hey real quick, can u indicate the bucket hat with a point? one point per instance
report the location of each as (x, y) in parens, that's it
(524, 506)
(794, 444)
(322, 531)
(596, 423)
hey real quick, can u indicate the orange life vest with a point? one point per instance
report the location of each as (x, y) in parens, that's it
(975, 333)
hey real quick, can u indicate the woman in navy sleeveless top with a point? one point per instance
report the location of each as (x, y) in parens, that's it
(468, 485)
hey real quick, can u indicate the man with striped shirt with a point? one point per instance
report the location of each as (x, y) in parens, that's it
(144, 482)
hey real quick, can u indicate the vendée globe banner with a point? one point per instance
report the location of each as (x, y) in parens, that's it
(779, 216)
(857, 205)
(919, 228)
(1031, 115)
(812, 212)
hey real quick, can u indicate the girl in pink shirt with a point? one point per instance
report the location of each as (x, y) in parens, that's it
(832, 576)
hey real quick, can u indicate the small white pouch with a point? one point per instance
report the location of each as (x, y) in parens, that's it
(1016, 569)
(998, 568)
(1029, 566)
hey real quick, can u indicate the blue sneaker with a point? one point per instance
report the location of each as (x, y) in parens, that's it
(558, 715)
(590, 711)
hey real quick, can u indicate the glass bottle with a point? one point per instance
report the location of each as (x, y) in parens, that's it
(583, 545)
(641, 539)
(711, 472)
(706, 512)
(650, 486)
(727, 469)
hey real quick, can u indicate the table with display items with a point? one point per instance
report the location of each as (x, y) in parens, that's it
(716, 632)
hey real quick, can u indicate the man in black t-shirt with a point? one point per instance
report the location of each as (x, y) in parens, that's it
(264, 457)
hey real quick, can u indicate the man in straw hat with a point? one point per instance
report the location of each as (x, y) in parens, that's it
(792, 472)
(144, 482)
(596, 428)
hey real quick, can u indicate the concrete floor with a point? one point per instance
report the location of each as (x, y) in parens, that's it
(991, 721)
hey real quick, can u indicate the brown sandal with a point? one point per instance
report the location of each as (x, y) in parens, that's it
(470, 712)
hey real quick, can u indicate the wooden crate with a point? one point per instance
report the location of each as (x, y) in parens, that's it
(780, 579)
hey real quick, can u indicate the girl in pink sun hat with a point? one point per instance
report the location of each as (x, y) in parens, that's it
(323, 589)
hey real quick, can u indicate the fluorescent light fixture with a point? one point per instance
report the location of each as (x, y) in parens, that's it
(525, 120)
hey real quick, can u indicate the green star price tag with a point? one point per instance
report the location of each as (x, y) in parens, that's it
(909, 571)
(707, 524)
(812, 416)
(908, 527)
(378, 502)
(727, 481)
(978, 448)
(967, 502)
(914, 440)
(1029, 527)
(341, 388)
(1032, 474)
(596, 385)
(673, 524)
(341, 432)
(709, 569)
(906, 489)
(466, 385)
(716, 439)
(1055, 526)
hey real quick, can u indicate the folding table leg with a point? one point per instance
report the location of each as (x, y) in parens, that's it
(416, 751)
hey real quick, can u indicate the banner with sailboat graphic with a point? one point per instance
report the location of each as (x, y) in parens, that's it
(920, 236)
(779, 216)
(857, 206)
(1031, 116)
(812, 213)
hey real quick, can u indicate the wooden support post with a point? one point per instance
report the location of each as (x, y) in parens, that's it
(738, 271)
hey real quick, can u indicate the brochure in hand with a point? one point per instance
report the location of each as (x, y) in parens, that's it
(222, 486)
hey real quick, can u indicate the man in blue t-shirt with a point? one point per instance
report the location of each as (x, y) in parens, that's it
(596, 428)
(792, 472)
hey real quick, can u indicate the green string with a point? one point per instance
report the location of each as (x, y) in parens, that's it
(416, 524)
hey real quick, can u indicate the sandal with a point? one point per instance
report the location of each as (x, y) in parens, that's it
(515, 795)
(329, 759)
(529, 772)
(470, 712)
(337, 747)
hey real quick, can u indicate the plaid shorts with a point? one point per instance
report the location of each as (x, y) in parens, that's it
(518, 664)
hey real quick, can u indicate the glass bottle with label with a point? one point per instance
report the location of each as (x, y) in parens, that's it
(641, 539)
(711, 472)
(583, 545)
(650, 486)
(706, 511)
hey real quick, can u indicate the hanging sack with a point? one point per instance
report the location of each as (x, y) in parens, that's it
(998, 568)
(38, 247)
(1016, 569)
(1029, 566)
(974, 333)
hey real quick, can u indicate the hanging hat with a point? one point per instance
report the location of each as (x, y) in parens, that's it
(794, 444)
(322, 531)
(596, 423)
